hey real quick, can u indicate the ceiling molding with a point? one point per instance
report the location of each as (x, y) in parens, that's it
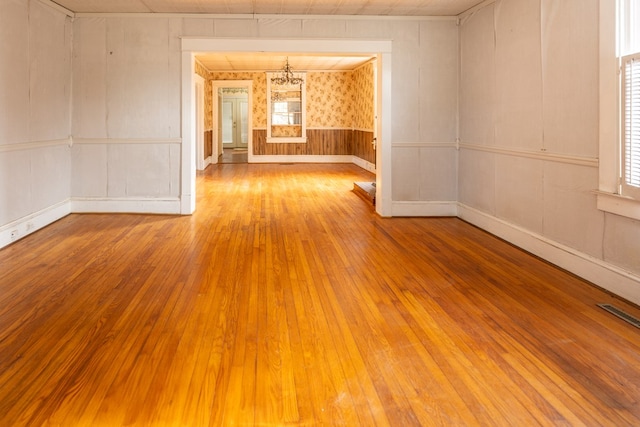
(257, 16)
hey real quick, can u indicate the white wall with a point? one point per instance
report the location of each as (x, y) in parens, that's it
(424, 164)
(528, 161)
(126, 120)
(127, 86)
(35, 117)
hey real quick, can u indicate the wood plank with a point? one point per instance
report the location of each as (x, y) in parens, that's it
(285, 300)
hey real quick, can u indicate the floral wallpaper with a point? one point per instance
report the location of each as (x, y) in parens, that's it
(329, 100)
(335, 100)
(208, 98)
(259, 93)
(286, 131)
(364, 98)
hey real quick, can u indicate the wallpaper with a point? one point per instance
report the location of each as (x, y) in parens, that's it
(364, 97)
(335, 100)
(259, 93)
(208, 98)
(330, 99)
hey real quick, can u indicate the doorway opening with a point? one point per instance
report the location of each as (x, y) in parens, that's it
(380, 49)
(232, 120)
(234, 124)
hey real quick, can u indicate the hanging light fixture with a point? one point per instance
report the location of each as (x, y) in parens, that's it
(286, 76)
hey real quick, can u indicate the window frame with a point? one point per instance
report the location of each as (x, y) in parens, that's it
(610, 195)
(628, 189)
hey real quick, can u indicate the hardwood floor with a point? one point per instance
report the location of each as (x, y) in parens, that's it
(285, 300)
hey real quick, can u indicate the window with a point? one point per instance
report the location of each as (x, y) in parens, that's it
(628, 51)
(631, 125)
(286, 115)
(619, 158)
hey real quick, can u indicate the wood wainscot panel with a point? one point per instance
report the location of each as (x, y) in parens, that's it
(363, 147)
(320, 142)
(208, 143)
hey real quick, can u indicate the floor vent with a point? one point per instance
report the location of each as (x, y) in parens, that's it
(621, 314)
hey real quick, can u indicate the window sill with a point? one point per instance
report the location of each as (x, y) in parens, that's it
(276, 140)
(619, 205)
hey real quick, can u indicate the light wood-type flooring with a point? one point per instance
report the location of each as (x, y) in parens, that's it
(285, 300)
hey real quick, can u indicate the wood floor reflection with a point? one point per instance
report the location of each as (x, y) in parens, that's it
(285, 300)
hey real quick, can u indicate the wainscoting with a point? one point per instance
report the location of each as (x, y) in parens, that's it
(320, 142)
(208, 143)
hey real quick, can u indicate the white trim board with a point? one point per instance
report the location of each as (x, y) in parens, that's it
(32, 145)
(113, 141)
(424, 208)
(126, 205)
(607, 276)
(298, 158)
(24, 226)
(381, 48)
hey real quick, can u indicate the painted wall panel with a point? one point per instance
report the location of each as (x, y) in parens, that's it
(89, 170)
(375, 29)
(197, 27)
(477, 82)
(624, 250)
(174, 74)
(141, 96)
(235, 28)
(90, 78)
(14, 72)
(50, 70)
(476, 181)
(519, 188)
(438, 174)
(570, 76)
(35, 111)
(279, 27)
(406, 173)
(32, 180)
(518, 75)
(140, 170)
(405, 86)
(438, 81)
(50, 176)
(329, 28)
(570, 213)
(15, 185)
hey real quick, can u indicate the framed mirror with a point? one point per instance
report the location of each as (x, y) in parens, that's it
(286, 107)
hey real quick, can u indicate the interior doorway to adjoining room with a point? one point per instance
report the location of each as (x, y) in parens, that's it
(382, 49)
(234, 123)
(232, 120)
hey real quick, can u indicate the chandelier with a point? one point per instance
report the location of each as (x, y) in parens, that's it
(286, 76)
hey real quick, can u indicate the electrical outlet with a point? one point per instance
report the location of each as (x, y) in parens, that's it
(30, 226)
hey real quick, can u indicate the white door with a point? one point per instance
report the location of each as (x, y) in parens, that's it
(235, 122)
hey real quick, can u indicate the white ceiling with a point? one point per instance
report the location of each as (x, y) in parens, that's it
(287, 7)
(274, 62)
(267, 62)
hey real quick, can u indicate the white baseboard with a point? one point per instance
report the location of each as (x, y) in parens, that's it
(421, 208)
(300, 159)
(18, 229)
(208, 161)
(364, 164)
(607, 276)
(152, 206)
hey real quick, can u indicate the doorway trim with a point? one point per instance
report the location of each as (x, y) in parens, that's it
(199, 122)
(246, 84)
(381, 48)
